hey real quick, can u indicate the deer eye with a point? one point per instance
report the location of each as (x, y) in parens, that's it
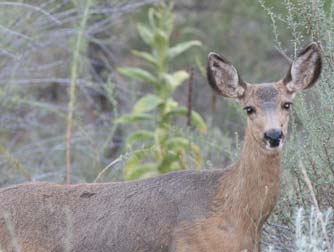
(249, 110)
(287, 105)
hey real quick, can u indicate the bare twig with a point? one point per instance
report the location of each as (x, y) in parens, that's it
(315, 202)
(213, 102)
(15, 244)
(190, 89)
(71, 90)
(285, 56)
(330, 163)
(15, 163)
(15, 33)
(69, 230)
(107, 168)
(35, 8)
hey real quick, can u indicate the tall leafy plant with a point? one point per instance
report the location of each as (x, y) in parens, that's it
(159, 149)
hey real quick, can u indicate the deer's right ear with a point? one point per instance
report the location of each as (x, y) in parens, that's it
(224, 78)
(305, 69)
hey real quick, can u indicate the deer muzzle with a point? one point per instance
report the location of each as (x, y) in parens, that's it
(273, 137)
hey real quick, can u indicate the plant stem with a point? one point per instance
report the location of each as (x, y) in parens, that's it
(71, 89)
(190, 91)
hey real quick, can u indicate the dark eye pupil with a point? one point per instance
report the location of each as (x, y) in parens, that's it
(287, 106)
(249, 110)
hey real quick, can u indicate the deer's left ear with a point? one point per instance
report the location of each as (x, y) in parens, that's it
(305, 70)
(224, 78)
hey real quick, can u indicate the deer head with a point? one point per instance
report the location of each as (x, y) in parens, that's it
(267, 105)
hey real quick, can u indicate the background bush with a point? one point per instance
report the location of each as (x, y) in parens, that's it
(61, 93)
(158, 149)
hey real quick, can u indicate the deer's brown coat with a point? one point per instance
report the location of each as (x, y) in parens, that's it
(198, 211)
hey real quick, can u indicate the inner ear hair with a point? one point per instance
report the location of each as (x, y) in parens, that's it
(305, 69)
(210, 75)
(223, 77)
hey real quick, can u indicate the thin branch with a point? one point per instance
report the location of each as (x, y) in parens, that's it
(71, 90)
(315, 201)
(15, 163)
(18, 34)
(285, 56)
(11, 229)
(35, 8)
(107, 168)
(190, 89)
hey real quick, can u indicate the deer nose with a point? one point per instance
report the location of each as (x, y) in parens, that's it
(273, 137)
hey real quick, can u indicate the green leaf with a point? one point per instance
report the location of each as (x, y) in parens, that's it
(152, 18)
(160, 135)
(182, 47)
(145, 34)
(147, 103)
(161, 38)
(130, 118)
(177, 143)
(196, 118)
(161, 44)
(145, 56)
(170, 163)
(140, 136)
(138, 74)
(135, 160)
(141, 171)
(198, 122)
(183, 145)
(201, 66)
(176, 79)
(169, 105)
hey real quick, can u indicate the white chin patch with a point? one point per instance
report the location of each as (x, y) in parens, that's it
(273, 149)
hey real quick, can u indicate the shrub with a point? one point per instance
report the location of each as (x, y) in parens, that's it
(159, 150)
(308, 162)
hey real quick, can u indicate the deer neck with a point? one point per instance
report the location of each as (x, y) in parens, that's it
(252, 186)
(254, 161)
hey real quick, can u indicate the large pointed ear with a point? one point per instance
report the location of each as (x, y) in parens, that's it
(224, 78)
(305, 69)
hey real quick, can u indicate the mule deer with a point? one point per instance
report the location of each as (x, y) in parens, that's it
(188, 211)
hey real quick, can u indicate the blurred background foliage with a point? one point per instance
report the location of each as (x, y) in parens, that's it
(158, 151)
(61, 94)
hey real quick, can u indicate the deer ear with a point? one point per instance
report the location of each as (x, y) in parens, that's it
(224, 78)
(305, 69)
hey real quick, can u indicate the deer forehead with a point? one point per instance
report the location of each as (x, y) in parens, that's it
(265, 95)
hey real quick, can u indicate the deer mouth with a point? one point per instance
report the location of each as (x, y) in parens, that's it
(273, 139)
(274, 145)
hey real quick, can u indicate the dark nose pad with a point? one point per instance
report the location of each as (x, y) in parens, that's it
(274, 137)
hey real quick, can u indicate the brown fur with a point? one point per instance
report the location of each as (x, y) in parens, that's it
(246, 196)
(207, 211)
(198, 211)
